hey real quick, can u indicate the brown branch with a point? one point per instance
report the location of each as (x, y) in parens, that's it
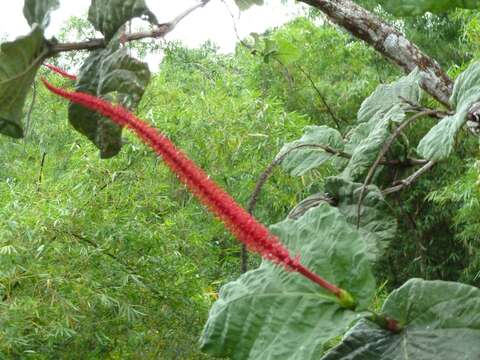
(389, 42)
(40, 173)
(160, 31)
(252, 202)
(420, 108)
(410, 180)
(386, 147)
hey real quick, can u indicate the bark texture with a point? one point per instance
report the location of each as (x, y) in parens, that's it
(388, 41)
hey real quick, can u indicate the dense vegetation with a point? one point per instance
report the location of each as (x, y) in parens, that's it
(114, 259)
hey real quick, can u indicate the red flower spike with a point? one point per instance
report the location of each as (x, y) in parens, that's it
(244, 226)
(60, 72)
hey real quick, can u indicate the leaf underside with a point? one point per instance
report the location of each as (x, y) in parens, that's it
(38, 11)
(439, 142)
(114, 75)
(108, 16)
(19, 63)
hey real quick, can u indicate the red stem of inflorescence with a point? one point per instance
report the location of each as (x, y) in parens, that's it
(244, 226)
(60, 71)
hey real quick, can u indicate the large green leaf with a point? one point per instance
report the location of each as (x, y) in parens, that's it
(108, 16)
(377, 225)
(304, 159)
(270, 313)
(420, 7)
(385, 106)
(114, 75)
(19, 62)
(441, 321)
(386, 100)
(246, 4)
(38, 11)
(439, 142)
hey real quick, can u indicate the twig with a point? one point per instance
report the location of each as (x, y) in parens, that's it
(252, 202)
(411, 179)
(159, 32)
(322, 98)
(417, 107)
(40, 174)
(30, 109)
(383, 152)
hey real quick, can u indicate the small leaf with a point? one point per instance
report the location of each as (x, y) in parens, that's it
(300, 161)
(420, 7)
(269, 313)
(19, 62)
(287, 52)
(246, 4)
(38, 11)
(441, 320)
(111, 74)
(108, 16)
(439, 142)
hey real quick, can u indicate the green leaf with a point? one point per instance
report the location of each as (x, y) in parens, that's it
(441, 321)
(439, 142)
(420, 7)
(300, 161)
(378, 111)
(19, 62)
(366, 150)
(287, 52)
(114, 75)
(108, 16)
(38, 11)
(246, 4)
(377, 225)
(270, 313)
(386, 100)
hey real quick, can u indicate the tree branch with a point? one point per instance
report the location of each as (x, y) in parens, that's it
(410, 180)
(389, 42)
(159, 32)
(386, 147)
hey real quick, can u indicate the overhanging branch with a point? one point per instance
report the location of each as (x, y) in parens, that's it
(389, 42)
(159, 32)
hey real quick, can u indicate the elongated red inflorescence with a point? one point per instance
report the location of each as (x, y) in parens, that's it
(60, 72)
(248, 230)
